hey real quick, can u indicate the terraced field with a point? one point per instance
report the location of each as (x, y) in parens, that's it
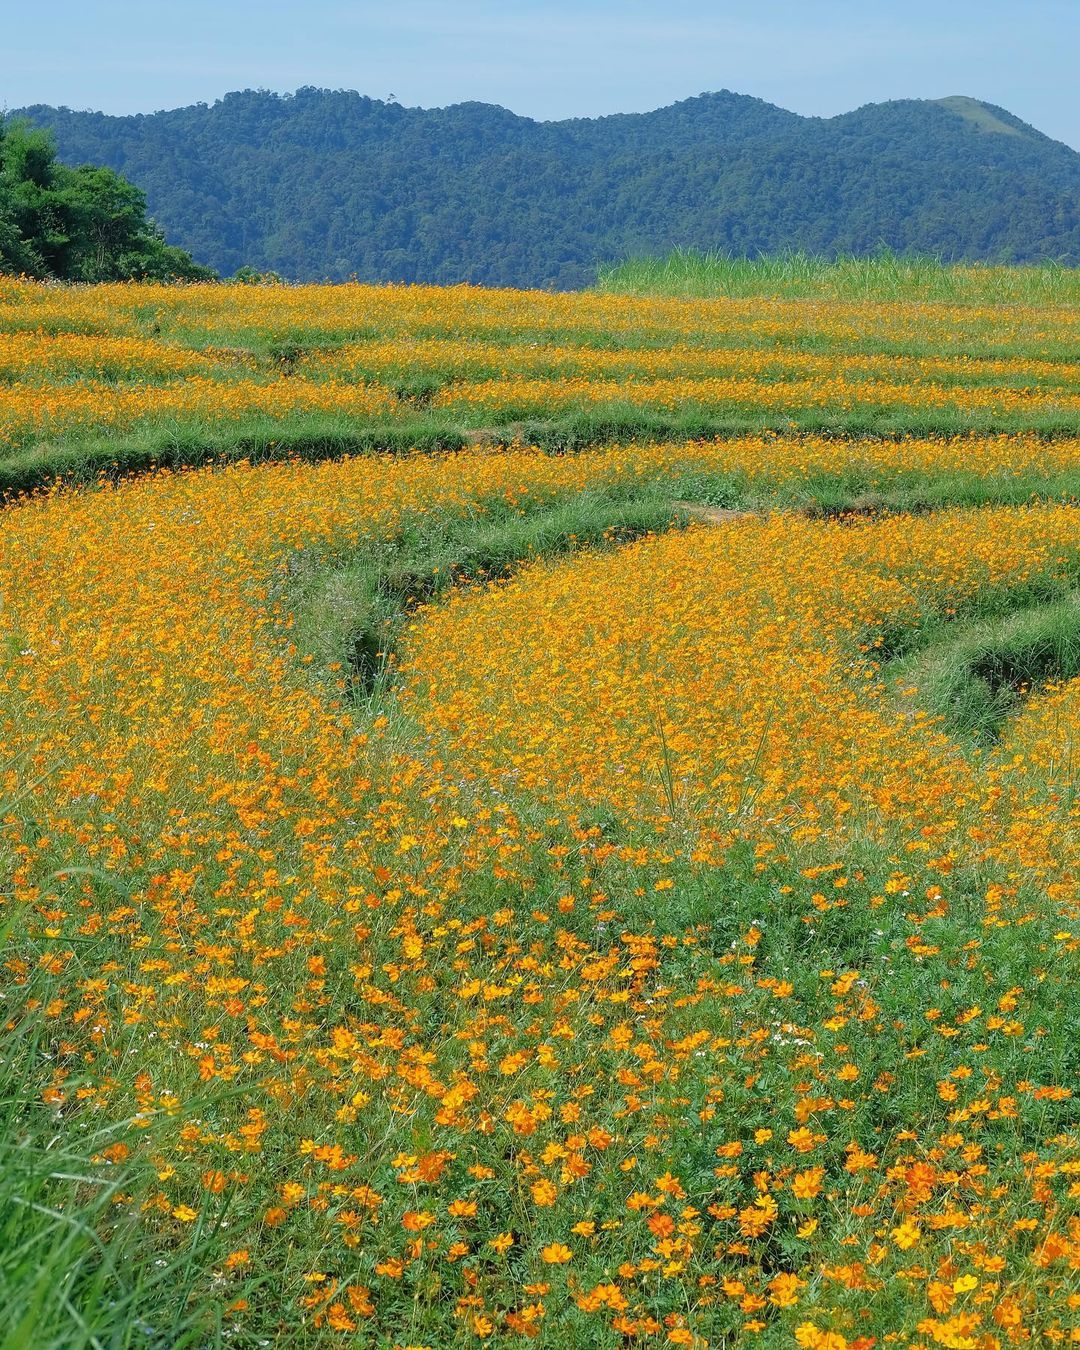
(457, 891)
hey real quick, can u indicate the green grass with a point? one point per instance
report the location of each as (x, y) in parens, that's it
(978, 114)
(257, 439)
(801, 276)
(78, 1270)
(857, 491)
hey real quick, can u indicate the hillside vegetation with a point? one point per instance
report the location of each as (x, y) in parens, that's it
(328, 184)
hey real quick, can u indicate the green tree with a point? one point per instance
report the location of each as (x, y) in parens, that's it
(81, 224)
(27, 170)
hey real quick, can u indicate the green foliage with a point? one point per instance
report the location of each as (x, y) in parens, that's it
(328, 184)
(77, 224)
(250, 276)
(76, 1270)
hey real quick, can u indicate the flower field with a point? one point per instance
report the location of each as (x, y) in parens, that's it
(252, 366)
(464, 897)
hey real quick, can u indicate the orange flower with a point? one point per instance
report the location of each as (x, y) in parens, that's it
(544, 1193)
(784, 1290)
(807, 1184)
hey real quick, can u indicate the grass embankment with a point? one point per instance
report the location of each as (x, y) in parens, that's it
(81, 462)
(976, 675)
(353, 614)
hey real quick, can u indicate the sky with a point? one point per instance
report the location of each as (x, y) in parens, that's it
(562, 58)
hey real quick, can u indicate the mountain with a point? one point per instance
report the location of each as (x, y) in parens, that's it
(328, 184)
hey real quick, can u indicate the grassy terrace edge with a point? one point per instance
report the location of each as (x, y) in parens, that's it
(83, 462)
(974, 666)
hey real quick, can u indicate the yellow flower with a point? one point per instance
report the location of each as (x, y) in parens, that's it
(784, 1290)
(906, 1235)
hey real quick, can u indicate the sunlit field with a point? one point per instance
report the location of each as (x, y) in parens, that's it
(539, 818)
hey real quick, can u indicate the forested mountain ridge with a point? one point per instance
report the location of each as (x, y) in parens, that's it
(328, 184)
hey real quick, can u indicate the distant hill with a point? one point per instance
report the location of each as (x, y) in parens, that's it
(326, 184)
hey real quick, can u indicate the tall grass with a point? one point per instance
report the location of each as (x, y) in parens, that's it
(797, 275)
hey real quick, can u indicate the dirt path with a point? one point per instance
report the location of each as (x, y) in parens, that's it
(494, 435)
(711, 515)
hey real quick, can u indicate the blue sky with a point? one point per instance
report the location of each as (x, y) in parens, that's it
(558, 59)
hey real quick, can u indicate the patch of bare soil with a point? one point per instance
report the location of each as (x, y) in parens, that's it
(711, 515)
(515, 431)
